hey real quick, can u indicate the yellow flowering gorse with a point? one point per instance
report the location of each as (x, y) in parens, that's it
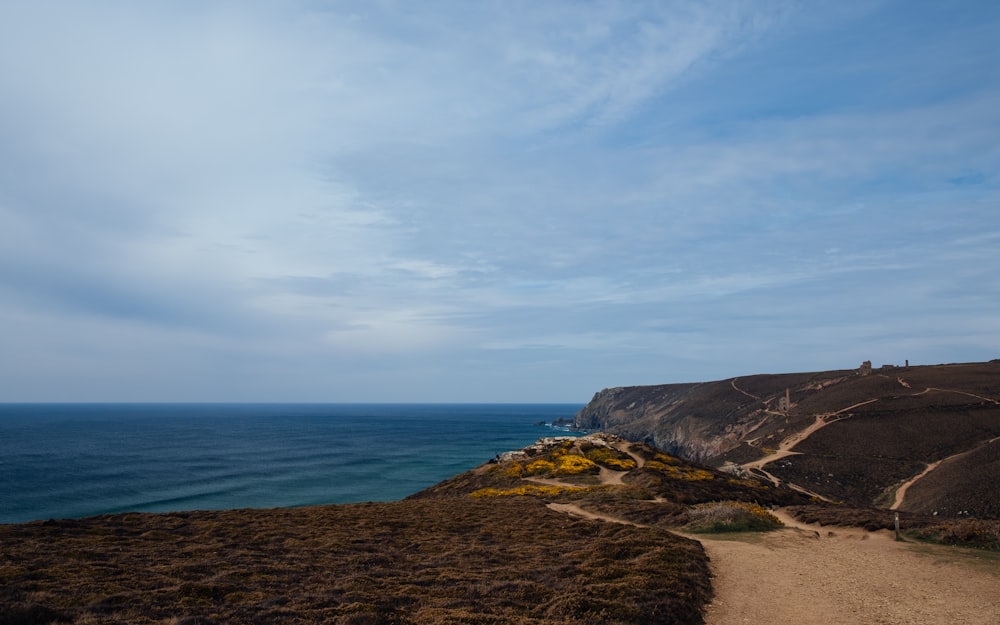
(680, 473)
(540, 466)
(535, 490)
(611, 459)
(571, 464)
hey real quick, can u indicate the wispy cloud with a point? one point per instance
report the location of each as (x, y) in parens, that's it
(327, 201)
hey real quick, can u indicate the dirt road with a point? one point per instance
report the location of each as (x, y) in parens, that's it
(812, 575)
(809, 575)
(831, 576)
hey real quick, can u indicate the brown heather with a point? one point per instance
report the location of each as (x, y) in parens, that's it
(417, 561)
(483, 548)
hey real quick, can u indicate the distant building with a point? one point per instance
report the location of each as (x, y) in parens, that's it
(866, 368)
(785, 402)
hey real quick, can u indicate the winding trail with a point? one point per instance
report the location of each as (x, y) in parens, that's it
(901, 491)
(951, 390)
(905, 486)
(574, 510)
(812, 575)
(900, 496)
(756, 467)
(785, 448)
(736, 388)
(605, 476)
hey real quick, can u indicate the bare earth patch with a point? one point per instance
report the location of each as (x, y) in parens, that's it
(844, 576)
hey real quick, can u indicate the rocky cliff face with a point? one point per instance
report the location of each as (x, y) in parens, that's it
(702, 421)
(715, 421)
(873, 430)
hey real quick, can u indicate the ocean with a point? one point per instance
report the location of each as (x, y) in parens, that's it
(76, 460)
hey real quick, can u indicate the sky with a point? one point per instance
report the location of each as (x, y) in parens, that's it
(496, 201)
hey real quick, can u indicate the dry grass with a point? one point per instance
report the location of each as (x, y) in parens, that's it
(480, 548)
(731, 516)
(978, 533)
(894, 423)
(416, 561)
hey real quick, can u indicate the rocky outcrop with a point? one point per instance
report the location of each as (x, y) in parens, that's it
(700, 421)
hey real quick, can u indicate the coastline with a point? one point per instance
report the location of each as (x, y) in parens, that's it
(79, 460)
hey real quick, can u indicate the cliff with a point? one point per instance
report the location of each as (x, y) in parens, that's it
(701, 421)
(566, 531)
(856, 436)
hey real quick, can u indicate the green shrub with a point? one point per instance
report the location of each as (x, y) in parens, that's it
(731, 516)
(976, 533)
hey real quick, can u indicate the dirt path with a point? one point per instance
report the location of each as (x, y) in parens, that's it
(785, 447)
(843, 576)
(952, 390)
(901, 491)
(574, 510)
(736, 388)
(605, 476)
(784, 450)
(813, 575)
(810, 575)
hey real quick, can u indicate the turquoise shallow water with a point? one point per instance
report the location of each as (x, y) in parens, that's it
(73, 460)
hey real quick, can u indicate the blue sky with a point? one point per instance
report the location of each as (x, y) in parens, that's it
(490, 201)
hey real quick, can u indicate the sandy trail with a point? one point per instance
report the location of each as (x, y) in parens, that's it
(931, 389)
(905, 486)
(785, 447)
(574, 510)
(838, 576)
(813, 575)
(831, 576)
(784, 450)
(738, 389)
(810, 575)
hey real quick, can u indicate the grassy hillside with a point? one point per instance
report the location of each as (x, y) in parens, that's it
(419, 561)
(472, 550)
(566, 531)
(878, 431)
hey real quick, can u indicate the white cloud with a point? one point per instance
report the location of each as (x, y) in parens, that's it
(306, 181)
(389, 331)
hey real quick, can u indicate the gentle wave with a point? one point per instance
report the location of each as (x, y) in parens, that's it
(64, 460)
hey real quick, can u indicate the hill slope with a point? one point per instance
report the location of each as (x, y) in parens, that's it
(570, 530)
(498, 544)
(843, 435)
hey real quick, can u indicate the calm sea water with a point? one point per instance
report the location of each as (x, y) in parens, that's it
(73, 460)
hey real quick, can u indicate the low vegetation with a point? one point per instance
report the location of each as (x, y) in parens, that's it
(978, 533)
(480, 548)
(608, 457)
(882, 429)
(531, 490)
(731, 516)
(472, 561)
